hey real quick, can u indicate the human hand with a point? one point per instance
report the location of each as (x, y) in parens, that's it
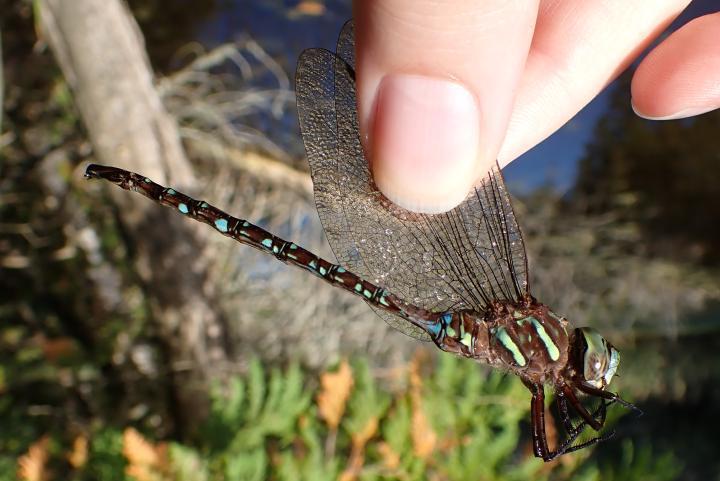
(445, 88)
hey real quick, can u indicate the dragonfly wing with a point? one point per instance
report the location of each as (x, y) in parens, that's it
(462, 259)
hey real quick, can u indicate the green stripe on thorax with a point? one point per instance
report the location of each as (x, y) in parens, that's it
(504, 338)
(550, 346)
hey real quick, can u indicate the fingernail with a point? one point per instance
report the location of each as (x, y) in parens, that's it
(424, 142)
(681, 114)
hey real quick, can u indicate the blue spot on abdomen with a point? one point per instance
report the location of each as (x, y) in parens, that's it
(221, 225)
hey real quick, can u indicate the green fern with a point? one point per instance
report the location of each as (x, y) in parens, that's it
(367, 402)
(264, 425)
(187, 464)
(247, 414)
(311, 463)
(106, 461)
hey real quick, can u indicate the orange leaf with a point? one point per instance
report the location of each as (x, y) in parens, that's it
(334, 393)
(360, 438)
(31, 466)
(391, 459)
(423, 437)
(137, 449)
(347, 475)
(416, 363)
(357, 455)
(139, 472)
(145, 460)
(79, 454)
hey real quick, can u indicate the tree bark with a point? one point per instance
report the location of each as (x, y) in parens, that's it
(102, 56)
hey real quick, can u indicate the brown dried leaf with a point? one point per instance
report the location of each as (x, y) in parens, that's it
(334, 393)
(360, 438)
(139, 472)
(357, 455)
(391, 459)
(137, 449)
(414, 369)
(146, 461)
(347, 475)
(79, 454)
(31, 466)
(424, 437)
(55, 349)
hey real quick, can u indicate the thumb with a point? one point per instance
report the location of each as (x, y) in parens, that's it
(435, 88)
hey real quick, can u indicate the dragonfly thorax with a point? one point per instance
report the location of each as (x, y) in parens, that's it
(526, 337)
(529, 339)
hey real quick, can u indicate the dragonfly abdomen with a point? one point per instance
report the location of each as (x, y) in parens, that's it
(257, 237)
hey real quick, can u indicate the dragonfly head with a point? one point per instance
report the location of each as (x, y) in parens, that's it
(595, 360)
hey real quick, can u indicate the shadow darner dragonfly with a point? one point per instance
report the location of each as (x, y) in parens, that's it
(458, 279)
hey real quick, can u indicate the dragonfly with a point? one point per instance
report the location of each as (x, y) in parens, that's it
(458, 279)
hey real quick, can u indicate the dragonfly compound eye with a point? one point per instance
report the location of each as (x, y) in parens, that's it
(599, 358)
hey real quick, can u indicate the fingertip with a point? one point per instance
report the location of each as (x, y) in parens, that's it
(425, 140)
(429, 145)
(681, 76)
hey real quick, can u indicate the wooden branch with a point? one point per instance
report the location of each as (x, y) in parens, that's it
(102, 56)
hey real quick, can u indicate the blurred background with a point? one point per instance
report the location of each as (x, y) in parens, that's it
(137, 345)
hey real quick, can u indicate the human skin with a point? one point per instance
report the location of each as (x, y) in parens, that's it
(447, 87)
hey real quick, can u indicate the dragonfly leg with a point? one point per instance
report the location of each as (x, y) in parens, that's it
(537, 420)
(541, 448)
(610, 396)
(562, 404)
(576, 447)
(574, 431)
(590, 419)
